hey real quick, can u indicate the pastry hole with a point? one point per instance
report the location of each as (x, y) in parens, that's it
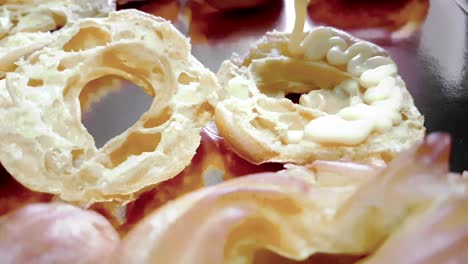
(294, 76)
(59, 19)
(76, 157)
(134, 145)
(293, 97)
(111, 104)
(159, 72)
(61, 67)
(160, 119)
(14, 21)
(159, 34)
(362, 90)
(132, 60)
(404, 117)
(186, 79)
(97, 89)
(35, 82)
(387, 156)
(205, 109)
(86, 38)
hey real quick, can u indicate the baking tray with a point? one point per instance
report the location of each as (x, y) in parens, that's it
(433, 63)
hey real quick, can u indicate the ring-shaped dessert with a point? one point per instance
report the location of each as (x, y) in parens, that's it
(330, 97)
(43, 142)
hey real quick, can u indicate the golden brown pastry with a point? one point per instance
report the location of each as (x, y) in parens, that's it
(47, 15)
(25, 25)
(46, 147)
(316, 95)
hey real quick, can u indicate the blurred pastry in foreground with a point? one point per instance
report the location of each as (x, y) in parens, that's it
(26, 25)
(443, 229)
(322, 94)
(56, 233)
(229, 221)
(295, 215)
(46, 147)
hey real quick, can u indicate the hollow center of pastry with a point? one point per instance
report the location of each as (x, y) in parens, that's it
(111, 104)
(310, 84)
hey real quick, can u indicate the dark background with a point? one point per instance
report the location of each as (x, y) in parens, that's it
(437, 78)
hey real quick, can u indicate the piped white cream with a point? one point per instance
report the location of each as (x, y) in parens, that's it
(377, 109)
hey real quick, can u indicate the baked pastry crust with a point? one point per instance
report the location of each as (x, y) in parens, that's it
(25, 25)
(45, 146)
(255, 122)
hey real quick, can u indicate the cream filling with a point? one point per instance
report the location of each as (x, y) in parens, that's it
(356, 90)
(300, 7)
(377, 110)
(381, 102)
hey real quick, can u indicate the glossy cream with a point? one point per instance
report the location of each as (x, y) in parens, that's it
(350, 115)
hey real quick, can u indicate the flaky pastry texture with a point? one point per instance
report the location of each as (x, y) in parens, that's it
(335, 77)
(56, 233)
(298, 212)
(25, 25)
(45, 146)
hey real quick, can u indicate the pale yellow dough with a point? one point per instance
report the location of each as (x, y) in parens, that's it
(43, 143)
(25, 25)
(262, 125)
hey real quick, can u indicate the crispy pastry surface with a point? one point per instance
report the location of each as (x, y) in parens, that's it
(262, 125)
(45, 146)
(25, 25)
